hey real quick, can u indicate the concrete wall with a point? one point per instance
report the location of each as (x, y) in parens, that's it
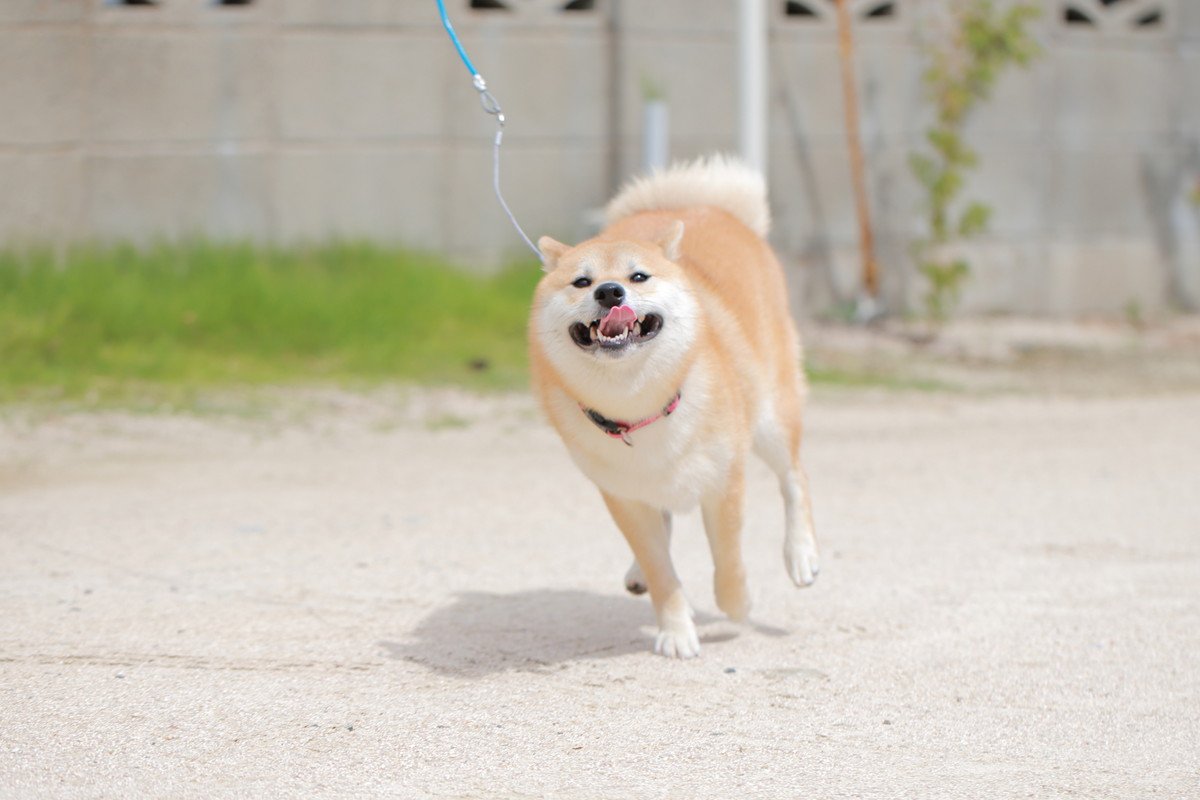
(293, 120)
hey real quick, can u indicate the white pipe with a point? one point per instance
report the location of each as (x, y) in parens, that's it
(656, 136)
(752, 82)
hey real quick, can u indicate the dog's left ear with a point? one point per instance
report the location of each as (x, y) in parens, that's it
(671, 239)
(551, 250)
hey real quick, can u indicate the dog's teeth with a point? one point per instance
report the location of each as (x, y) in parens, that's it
(637, 328)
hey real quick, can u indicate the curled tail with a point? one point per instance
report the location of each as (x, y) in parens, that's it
(717, 181)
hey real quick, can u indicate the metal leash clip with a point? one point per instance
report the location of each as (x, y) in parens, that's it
(490, 104)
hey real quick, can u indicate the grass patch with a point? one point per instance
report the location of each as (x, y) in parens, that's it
(158, 327)
(838, 378)
(118, 322)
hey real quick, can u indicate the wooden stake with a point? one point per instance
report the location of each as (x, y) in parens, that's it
(870, 270)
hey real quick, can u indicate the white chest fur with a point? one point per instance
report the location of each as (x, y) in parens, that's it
(669, 465)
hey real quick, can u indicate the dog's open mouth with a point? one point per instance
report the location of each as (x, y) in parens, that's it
(620, 327)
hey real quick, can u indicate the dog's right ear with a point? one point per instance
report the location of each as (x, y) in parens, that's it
(552, 250)
(670, 239)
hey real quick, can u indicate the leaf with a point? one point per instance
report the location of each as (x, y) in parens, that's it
(924, 169)
(974, 220)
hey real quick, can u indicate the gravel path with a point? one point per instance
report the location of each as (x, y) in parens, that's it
(420, 597)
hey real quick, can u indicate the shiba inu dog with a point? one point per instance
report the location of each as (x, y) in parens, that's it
(664, 354)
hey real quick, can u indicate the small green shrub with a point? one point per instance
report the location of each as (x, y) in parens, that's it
(961, 74)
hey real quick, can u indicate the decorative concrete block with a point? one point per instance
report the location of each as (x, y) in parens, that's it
(382, 193)
(1107, 275)
(42, 199)
(155, 86)
(549, 86)
(366, 13)
(1097, 193)
(890, 91)
(1014, 180)
(142, 197)
(808, 87)
(821, 21)
(41, 11)
(1117, 97)
(1187, 73)
(1020, 108)
(42, 86)
(180, 13)
(812, 195)
(679, 17)
(697, 79)
(998, 271)
(1188, 26)
(366, 86)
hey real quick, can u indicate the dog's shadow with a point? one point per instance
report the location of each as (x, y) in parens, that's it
(480, 633)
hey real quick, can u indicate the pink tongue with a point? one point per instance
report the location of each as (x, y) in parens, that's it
(618, 320)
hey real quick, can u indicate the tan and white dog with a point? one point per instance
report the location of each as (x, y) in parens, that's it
(663, 353)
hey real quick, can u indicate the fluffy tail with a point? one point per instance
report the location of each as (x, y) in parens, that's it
(717, 181)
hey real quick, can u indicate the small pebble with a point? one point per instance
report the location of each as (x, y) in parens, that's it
(120, 674)
(730, 670)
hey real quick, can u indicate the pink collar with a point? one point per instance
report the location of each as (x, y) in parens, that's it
(621, 430)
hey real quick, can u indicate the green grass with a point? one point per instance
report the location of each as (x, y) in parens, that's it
(862, 378)
(118, 322)
(158, 326)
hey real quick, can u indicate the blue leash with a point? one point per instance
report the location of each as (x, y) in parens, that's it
(491, 106)
(457, 44)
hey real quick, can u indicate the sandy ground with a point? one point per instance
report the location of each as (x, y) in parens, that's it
(380, 595)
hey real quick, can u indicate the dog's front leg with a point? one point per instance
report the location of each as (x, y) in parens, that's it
(646, 530)
(635, 579)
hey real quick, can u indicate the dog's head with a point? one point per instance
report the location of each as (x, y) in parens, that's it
(614, 303)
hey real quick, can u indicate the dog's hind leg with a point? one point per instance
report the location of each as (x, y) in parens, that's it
(723, 525)
(635, 579)
(647, 531)
(778, 444)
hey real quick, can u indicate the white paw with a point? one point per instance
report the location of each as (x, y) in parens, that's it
(801, 561)
(677, 638)
(635, 581)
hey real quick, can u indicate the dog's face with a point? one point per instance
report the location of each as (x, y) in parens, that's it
(614, 304)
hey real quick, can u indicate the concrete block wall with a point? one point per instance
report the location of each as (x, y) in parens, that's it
(295, 120)
(300, 120)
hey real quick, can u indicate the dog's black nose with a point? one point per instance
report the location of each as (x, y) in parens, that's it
(609, 295)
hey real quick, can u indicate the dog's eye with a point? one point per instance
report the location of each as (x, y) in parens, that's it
(639, 277)
(582, 283)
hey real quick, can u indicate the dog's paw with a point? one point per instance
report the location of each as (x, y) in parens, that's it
(801, 561)
(635, 581)
(677, 639)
